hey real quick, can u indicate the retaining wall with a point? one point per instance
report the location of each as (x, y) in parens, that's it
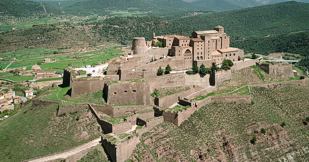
(243, 64)
(178, 118)
(222, 76)
(167, 101)
(65, 109)
(304, 82)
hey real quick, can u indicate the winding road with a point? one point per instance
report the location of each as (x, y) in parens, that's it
(68, 153)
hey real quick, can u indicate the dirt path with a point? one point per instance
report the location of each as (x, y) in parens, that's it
(68, 153)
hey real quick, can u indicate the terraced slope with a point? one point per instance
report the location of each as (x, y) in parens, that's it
(274, 127)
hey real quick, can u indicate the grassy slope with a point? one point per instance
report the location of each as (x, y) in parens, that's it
(269, 106)
(95, 155)
(36, 131)
(201, 131)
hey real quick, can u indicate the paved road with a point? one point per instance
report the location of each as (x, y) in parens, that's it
(68, 153)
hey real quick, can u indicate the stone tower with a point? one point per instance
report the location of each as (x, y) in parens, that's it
(139, 45)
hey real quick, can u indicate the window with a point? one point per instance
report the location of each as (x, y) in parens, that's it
(126, 91)
(234, 54)
(133, 90)
(115, 93)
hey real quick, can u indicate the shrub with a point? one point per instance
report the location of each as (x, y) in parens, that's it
(253, 140)
(263, 131)
(195, 68)
(190, 72)
(283, 124)
(254, 56)
(226, 64)
(203, 70)
(168, 69)
(160, 71)
(155, 93)
(212, 79)
(158, 44)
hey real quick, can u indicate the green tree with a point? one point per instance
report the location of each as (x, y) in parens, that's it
(226, 64)
(212, 79)
(195, 68)
(254, 56)
(168, 69)
(159, 44)
(203, 70)
(160, 71)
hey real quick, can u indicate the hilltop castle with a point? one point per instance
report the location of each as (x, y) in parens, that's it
(180, 52)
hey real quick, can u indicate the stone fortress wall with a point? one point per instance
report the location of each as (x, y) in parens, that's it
(86, 85)
(238, 65)
(127, 93)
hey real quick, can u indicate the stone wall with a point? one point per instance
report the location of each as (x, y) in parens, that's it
(166, 81)
(42, 103)
(130, 74)
(243, 64)
(127, 93)
(222, 76)
(196, 80)
(179, 117)
(304, 82)
(232, 99)
(129, 110)
(121, 151)
(167, 101)
(86, 85)
(116, 128)
(202, 92)
(157, 53)
(65, 109)
(150, 124)
(278, 70)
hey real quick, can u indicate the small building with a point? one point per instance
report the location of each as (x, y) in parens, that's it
(29, 93)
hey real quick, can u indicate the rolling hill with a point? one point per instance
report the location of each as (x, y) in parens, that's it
(20, 8)
(84, 7)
